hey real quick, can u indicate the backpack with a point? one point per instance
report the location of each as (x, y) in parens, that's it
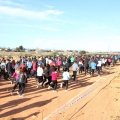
(2, 67)
(22, 78)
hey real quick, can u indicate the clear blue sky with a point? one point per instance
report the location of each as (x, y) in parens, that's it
(92, 25)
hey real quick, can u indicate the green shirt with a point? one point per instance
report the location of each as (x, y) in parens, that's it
(72, 59)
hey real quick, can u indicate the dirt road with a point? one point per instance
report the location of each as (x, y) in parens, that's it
(89, 98)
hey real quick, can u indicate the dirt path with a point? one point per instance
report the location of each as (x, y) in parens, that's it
(101, 104)
(98, 99)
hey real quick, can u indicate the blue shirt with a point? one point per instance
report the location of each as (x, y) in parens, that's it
(41, 63)
(93, 65)
(29, 64)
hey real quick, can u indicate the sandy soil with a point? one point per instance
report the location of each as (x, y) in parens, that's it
(89, 98)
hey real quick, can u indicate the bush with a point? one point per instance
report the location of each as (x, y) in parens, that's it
(20, 49)
(54, 53)
(82, 52)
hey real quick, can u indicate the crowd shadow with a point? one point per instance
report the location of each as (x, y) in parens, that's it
(32, 116)
(14, 103)
(79, 84)
(22, 109)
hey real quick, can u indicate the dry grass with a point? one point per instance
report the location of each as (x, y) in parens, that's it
(16, 55)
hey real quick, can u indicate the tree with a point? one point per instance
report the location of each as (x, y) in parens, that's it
(82, 52)
(20, 49)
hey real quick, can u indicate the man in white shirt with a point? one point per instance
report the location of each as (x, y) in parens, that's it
(99, 65)
(3, 69)
(39, 75)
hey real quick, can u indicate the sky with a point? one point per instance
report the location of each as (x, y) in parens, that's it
(91, 25)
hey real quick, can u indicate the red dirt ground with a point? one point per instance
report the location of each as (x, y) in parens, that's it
(99, 99)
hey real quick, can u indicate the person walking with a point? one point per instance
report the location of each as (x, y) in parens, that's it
(16, 76)
(75, 68)
(54, 75)
(99, 65)
(39, 75)
(66, 78)
(93, 67)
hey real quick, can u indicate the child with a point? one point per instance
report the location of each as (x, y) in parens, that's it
(75, 68)
(39, 75)
(93, 67)
(54, 75)
(66, 77)
(58, 63)
(16, 76)
(46, 75)
(22, 81)
(80, 64)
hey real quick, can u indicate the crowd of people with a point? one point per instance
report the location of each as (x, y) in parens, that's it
(47, 70)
